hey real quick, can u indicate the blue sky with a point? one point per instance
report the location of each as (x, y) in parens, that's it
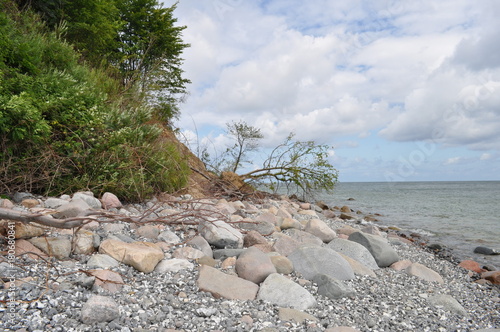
(402, 90)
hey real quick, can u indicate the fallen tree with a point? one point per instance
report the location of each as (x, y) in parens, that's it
(192, 214)
(298, 167)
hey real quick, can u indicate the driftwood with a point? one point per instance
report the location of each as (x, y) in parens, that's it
(193, 212)
(46, 220)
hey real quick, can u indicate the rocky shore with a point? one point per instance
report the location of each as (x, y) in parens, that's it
(269, 264)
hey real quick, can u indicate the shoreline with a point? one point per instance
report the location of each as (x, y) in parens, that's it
(384, 299)
(453, 213)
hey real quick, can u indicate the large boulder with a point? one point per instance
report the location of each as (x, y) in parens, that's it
(225, 253)
(291, 223)
(25, 247)
(89, 198)
(220, 284)
(221, 235)
(54, 203)
(253, 238)
(173, 265)
(268, 217)
(284, 244)
(84, 242)
(282, 264)
(254, 265)
(304, 237)
(108, 280)
(189, 253)
(311, 260)
(22, 230)
(355, 251)
(383, 253)
(143, 256)
(320, 229)
(102, 261)
(492, 276)
(280, 290)
(75, 208)
(262, 227)
(170, 237)
(471, 266)
(358, 268)
(198, 242)
(148, 232)
(110, 201)
(486, 251)
(447, 302)
(332, 288)
(423, 272)
(59, 247)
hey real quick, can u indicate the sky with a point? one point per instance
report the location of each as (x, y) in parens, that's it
(401, 90)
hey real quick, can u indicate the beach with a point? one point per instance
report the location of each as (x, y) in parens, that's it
(182, 290)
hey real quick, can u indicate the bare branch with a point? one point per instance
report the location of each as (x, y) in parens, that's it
(193, 212)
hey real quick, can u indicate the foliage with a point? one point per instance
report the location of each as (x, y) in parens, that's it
(150, 47)
(246, 140)
(137, 40)
(300, 166)
(296, 166)
(91, 26)
(66, 127)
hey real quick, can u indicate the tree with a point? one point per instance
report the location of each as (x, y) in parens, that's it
(137, 39)
(91, 26)
(149, 54)
(299, 166)
(246, 138)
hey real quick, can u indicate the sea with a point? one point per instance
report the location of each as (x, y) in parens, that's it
(459, 215)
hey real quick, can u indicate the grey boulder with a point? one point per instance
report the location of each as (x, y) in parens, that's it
(383, 253)
(355, 251)
(332, 288)
(280, 290)
(312, 260)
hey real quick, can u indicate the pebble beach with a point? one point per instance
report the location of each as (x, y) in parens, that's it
(268, 264)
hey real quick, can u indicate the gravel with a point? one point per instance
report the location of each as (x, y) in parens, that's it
(394, 301)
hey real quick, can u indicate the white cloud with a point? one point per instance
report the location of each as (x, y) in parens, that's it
(453, 160)
(479, 50)
(485, 156)
(455, 107)
(331, 71)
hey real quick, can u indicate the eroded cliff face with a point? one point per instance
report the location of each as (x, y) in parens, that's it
(201, 181)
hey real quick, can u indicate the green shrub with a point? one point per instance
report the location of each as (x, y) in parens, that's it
(65, 127)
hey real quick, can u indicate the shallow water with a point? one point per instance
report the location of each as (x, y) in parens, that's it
(460, 215)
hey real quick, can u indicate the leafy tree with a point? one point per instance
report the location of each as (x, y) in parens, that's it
(300, 166)
(149, 53)
(137, 38)
(297, 166)
(91, 26)
(246, 140)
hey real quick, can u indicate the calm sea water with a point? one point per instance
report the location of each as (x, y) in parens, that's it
(460, 215)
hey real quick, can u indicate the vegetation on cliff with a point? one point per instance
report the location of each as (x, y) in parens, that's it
(88, 93)
(84, 109)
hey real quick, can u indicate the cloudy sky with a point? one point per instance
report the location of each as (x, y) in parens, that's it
(402, 90)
